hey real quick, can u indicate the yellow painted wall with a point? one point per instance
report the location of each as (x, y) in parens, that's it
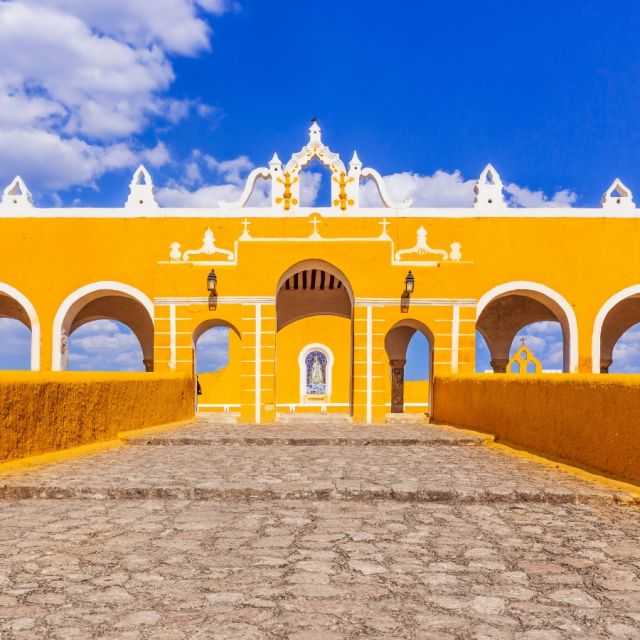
(416, 391)
(588, 420)
(332, 331)
(45, 412)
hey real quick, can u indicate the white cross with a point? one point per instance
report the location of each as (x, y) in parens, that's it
(315, 223)
(245, 226)
(384, 224)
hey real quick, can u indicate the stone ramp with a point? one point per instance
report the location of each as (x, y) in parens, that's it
(412, 533)
(365, 463)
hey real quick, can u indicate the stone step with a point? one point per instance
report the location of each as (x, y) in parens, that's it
(399, 493)
(406, 418)
(217, 417)
(294, 418)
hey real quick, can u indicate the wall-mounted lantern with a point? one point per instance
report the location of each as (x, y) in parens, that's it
(409, 284)
(212, 288)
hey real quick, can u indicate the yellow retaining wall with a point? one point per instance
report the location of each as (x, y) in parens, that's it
(42, 412)
(589, 420)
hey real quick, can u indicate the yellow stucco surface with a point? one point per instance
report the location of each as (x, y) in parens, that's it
(45, 412)
(586, 420)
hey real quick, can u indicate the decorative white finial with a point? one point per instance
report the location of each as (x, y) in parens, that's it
(315, 132)
(142, 193)
(355, 164)
(488, 189)
(16, 195)
(617, 196)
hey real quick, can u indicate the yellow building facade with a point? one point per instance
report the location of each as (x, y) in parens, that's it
(318, 302)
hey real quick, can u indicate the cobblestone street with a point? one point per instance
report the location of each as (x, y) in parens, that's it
(315, 531)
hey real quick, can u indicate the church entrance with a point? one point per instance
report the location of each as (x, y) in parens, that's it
(314, 315)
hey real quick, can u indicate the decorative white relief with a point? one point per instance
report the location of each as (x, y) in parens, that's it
(372, 174)
(64, 348)
(16, 195)
(285, 180)
(174, 251)
(142, 193)
(617, 196)
(421, 248)
(208, 248)
(488, 189)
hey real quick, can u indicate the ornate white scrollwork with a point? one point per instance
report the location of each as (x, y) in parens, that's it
(617, 196)
(369, 173)
(421, 248)
(257, 174)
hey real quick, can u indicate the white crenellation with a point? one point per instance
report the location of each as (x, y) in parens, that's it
(488, 189)
(16, 195)
(617, 196)
(142, 193)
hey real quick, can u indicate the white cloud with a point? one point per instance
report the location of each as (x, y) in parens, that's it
(79, 80)
(104, 345)
(212, 349)
(444, 189)
(523, 197)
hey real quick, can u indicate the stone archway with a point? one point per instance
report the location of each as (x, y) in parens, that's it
(16, 306)
(618, 314)
(314, 306)
(104, 301)
(396, 343)
(504, 310)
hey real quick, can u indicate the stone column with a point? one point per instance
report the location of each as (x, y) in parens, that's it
(397, 385)
(148, 365)
(499, 365)
(605, 364)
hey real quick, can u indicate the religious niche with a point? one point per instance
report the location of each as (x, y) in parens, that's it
(315, 364)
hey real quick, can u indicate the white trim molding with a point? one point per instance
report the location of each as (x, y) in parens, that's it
(30, 310)
(524, 287)
(105, 287)
(596, 336)
(314, 346)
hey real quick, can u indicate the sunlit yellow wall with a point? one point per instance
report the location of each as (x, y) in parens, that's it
(331, 331)
(416, 392)
(589, 420)
(44, 412)
(584, 260)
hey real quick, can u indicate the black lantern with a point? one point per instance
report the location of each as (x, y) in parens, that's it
(212, 281)
(409, 283)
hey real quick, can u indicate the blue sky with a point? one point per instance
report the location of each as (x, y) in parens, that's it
(428, 93)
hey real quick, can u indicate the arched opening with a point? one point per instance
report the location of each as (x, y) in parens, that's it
(104, 345)
(505, 310)
(315, 188)
(409, 347)
(314, 321)
(111, 301)
(615, 335)
(545, 341)
(19, 331)
(216, 358)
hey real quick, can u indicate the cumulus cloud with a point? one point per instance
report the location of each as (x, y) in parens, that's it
(212, 350)
(445, 189)
(15, 345)
(104, 345)
(96, 74)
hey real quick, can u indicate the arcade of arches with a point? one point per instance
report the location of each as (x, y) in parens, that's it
(312, 305)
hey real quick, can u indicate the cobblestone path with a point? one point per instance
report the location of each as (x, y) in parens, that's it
(314, 532)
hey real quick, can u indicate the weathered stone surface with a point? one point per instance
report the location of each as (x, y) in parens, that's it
(345, 566)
